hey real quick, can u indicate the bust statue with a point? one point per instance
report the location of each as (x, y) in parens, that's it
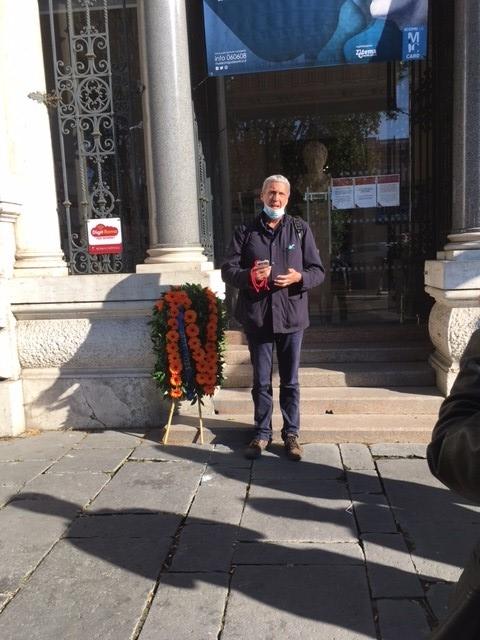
(315, 157)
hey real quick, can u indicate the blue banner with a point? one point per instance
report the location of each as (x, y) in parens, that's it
(249, 36)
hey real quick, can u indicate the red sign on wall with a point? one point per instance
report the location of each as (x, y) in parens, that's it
(104, 236)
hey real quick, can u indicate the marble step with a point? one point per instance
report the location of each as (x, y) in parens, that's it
(346, 352)
(343, 400)
(371, 334)
(381, 374)
(366, 428)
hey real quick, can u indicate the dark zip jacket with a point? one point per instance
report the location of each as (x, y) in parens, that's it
(280, 309)
(454, 458)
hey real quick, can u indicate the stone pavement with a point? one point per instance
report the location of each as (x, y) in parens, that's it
(112, 536)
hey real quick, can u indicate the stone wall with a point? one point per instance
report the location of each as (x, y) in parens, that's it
(85, 350)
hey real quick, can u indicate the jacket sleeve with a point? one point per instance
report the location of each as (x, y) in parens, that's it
(233, 272)
(313, 272)
(454, 452)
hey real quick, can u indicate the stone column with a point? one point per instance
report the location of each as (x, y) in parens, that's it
(169, 136)
(27, 170)
(454, 278)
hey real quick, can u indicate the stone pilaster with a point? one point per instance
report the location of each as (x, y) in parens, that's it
(169, 136)
(26, 160)
(12, 420)
(454, 278)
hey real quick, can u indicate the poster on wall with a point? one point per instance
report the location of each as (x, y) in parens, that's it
(365, 192)
(248, 36)
(104, 236)
(341, 195)
(388, 190)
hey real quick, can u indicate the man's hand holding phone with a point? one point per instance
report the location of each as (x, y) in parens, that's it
(262, 270)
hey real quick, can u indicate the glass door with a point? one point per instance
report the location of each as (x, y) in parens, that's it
(342, 137)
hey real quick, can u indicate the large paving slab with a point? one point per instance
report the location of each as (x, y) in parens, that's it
(434, 555)
(356, 456)
(16, 474)
(94, 588)
(65, 490)
(187, 607)
(438, 596)
(390, 568)
(399, 450)
(415, 495)
(92, 460)
(298, 553)
(47, 446)
(373, 514)
(205, 547)
(148, 526)
(150, 486)
(298, 510)
(150, 451)
(319, 462)
(298, 603)
(29, 530)
(221, 495)
(402, 619)
(111, 438)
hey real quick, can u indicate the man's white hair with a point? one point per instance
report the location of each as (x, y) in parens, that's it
(275, 178)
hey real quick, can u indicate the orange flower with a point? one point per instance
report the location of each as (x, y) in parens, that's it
(212, 325)
(175, 380)
(176, 393)
(190, 316)
(169, 296)
(173, 310)
(211, 335)
(211, 347)
(197, 355)
(211, 358)
(200, 378)
(172, 335)
(172, 349)
(159, 305)
(175, 367)
(194, 343)
(192, 330)
(172, 323)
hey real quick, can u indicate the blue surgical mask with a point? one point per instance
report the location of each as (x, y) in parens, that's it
(274, 214)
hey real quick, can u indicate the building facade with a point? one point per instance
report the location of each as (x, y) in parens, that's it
(107, 112)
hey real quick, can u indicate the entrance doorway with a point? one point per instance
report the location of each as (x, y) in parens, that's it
(342, 137)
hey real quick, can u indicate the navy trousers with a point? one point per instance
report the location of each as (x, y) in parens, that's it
(288, 347)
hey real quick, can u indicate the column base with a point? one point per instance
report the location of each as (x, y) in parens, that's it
(28, 264)
(12, 417)
(454, 283)
(186, 254)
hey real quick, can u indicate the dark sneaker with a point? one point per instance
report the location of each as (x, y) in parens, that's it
(292, 448)
(255, 448)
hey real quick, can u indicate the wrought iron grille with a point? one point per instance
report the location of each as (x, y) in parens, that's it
(98, 138)
(204, 200)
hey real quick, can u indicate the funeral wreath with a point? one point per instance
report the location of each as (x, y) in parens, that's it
(188, 334)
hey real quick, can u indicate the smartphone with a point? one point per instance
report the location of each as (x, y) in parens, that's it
(263, 263)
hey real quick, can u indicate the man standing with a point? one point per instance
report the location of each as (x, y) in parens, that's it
(273, 262)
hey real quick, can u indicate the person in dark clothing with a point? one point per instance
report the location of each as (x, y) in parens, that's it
(273, 262)
(454, 458)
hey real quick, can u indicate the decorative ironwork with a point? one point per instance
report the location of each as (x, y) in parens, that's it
(205, 218)
(83, 87)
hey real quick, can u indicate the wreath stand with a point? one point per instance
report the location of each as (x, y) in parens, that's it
(169, 423)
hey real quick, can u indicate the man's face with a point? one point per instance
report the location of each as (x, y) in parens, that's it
(275, 195)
